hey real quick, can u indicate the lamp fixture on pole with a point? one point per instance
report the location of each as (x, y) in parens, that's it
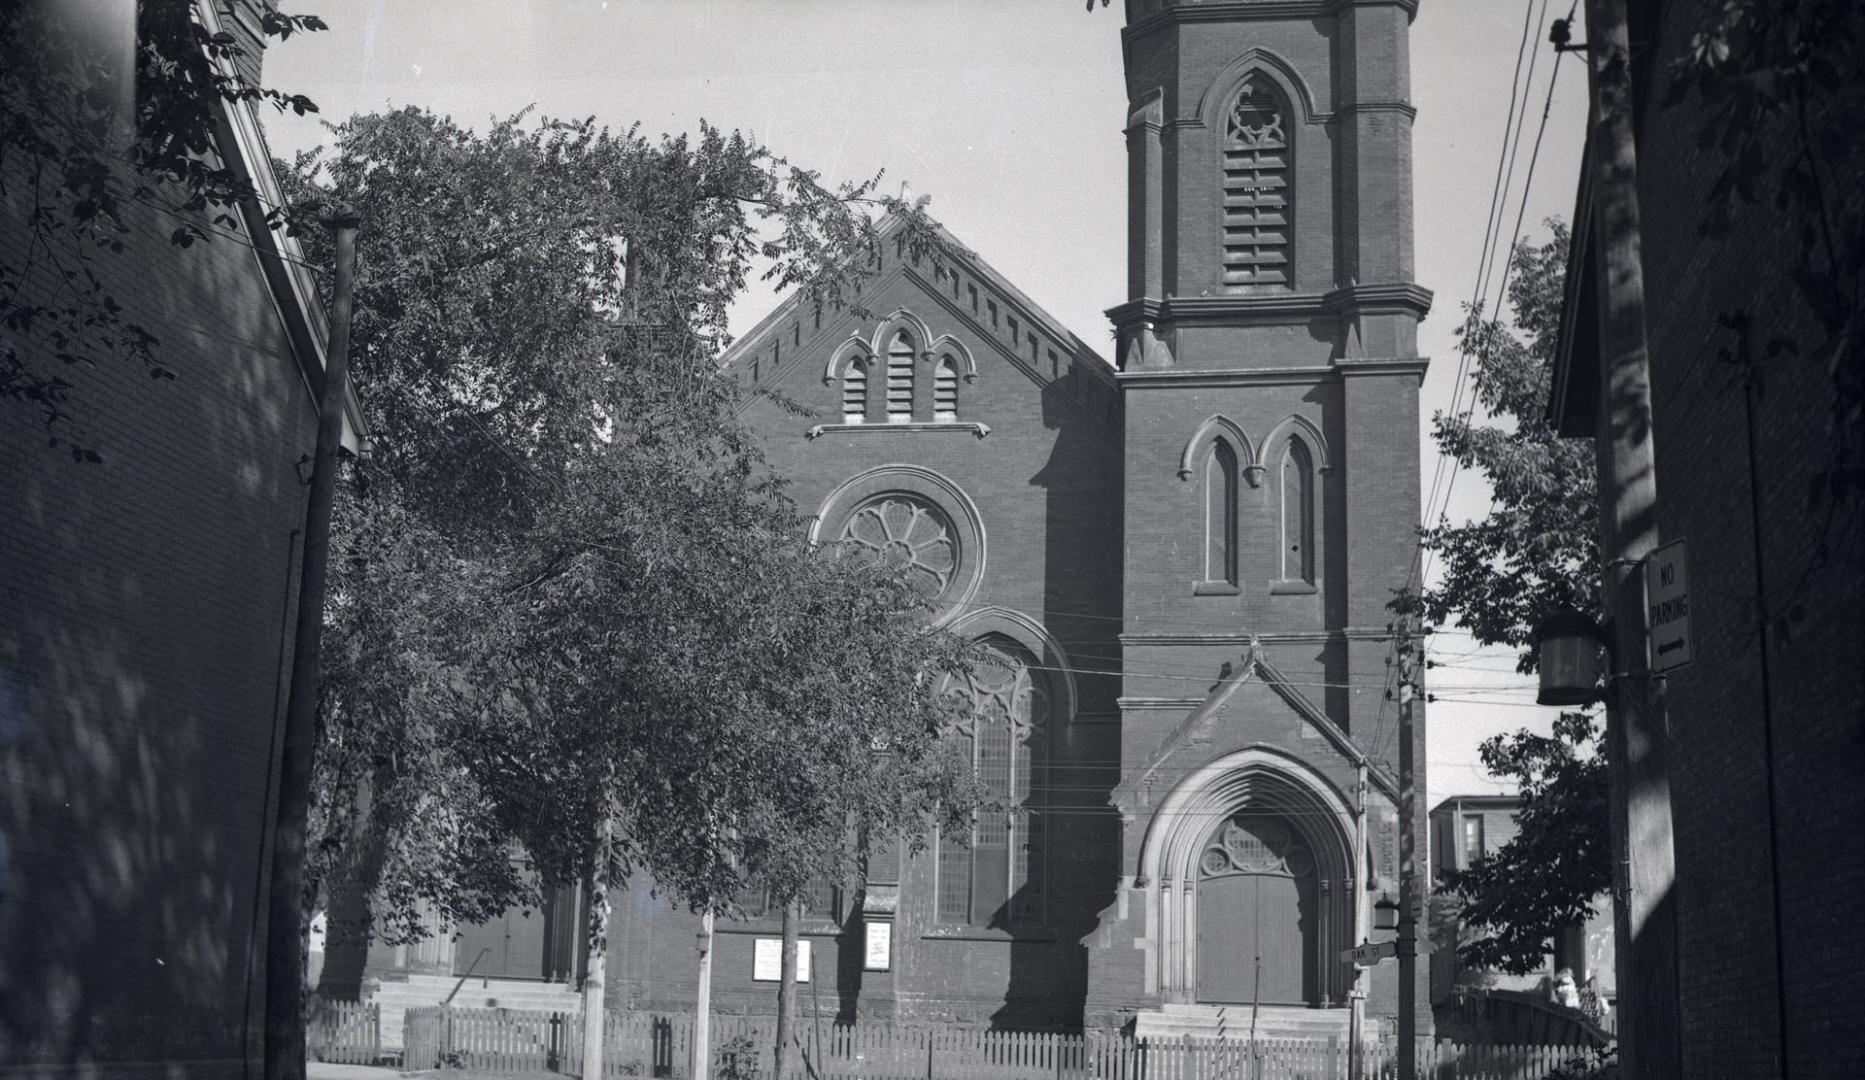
(1385, 913)
(1567, 647)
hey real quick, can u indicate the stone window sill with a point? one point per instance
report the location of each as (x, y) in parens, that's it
(768, 927)
(1293, 588)
(1216, 588)
(973, 427)
(1032, 936)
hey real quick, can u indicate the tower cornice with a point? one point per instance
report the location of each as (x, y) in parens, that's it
(1168, 12)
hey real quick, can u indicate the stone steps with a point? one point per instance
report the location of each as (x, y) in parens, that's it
(1178, 1021)
(397, 997)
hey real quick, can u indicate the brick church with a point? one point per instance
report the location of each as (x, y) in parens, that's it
(1179, 560)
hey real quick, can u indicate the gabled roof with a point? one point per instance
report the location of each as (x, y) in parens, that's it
(1255, 667)
(243, 150)
(792, 330)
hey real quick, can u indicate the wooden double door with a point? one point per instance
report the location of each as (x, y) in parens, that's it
(1257, 915)
(540, 943)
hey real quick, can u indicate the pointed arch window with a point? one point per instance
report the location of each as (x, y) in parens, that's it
(1220, 515)
(900, 379)
(855, 391)
(998, 881)
(945, 391)
(1257, 199)
(1296, 494)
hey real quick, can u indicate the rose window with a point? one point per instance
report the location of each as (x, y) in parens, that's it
(897, 531)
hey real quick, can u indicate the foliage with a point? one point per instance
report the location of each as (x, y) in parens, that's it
(82, 141)
(1778, 87)
(1538, 549)
(1548, 876)
(574, 603)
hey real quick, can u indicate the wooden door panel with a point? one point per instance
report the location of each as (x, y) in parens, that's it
(1251, 940)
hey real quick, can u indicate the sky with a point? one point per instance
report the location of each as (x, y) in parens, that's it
(1009, 114)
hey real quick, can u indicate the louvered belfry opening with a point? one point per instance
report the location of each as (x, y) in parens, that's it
(1256, 188)
(900, 380)
(855, 392)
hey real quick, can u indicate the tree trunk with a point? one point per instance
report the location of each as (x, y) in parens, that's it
(285, 922)
(786, 990)
(702, 1003)
(595, 959)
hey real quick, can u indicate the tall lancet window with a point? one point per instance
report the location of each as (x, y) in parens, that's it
(1297, 495)
(1220, 514)
(997, 880)
(900, 379)
(1256, 187)
(855, 391)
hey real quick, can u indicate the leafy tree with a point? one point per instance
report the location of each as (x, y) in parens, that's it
(577, 611)
(86, 141)
(1547, 877)
(1537, 550)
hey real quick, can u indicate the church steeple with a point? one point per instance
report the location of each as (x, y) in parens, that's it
(1269, 179)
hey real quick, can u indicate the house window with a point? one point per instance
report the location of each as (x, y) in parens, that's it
(855, 392)
(1256, 188)
(998, 881)
(1473, 838)
(1297, 495)
(1220, 514)
(900, 380)
(945, 391)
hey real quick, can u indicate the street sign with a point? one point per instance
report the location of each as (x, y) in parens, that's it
(1667, 598)
(1370, 953)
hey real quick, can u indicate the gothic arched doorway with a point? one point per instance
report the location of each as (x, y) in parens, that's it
(1256, 914)
(1273, 878)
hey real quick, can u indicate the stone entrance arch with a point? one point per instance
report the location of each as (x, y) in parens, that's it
(1247, 866)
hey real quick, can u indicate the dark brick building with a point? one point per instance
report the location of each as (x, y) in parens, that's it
(1767, 723)
(146, 613)
(1182, 562)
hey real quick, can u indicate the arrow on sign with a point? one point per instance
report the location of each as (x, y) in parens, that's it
(1370, 953)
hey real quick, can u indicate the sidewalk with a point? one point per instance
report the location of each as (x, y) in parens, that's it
(324, 1070)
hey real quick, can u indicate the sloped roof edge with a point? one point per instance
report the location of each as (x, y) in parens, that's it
(282, 264)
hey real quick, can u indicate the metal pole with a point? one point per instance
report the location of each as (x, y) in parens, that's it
(285, 928)
(1644, 861)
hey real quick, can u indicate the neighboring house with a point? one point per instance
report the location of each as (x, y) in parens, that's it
(1766, 737)
(146, 612)
(1180, 565)
(1465, 828)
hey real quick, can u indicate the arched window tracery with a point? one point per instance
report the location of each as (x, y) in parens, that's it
(1004, 720)
(1257, 197)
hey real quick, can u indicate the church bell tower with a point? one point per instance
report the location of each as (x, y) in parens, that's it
(1269, 368)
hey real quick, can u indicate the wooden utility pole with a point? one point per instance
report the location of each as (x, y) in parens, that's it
(1643, 861)
(285, 926)
(1409, 668)
(786, 989)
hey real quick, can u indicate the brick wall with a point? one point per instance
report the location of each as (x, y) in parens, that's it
(144, 623)
(1753, 870)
